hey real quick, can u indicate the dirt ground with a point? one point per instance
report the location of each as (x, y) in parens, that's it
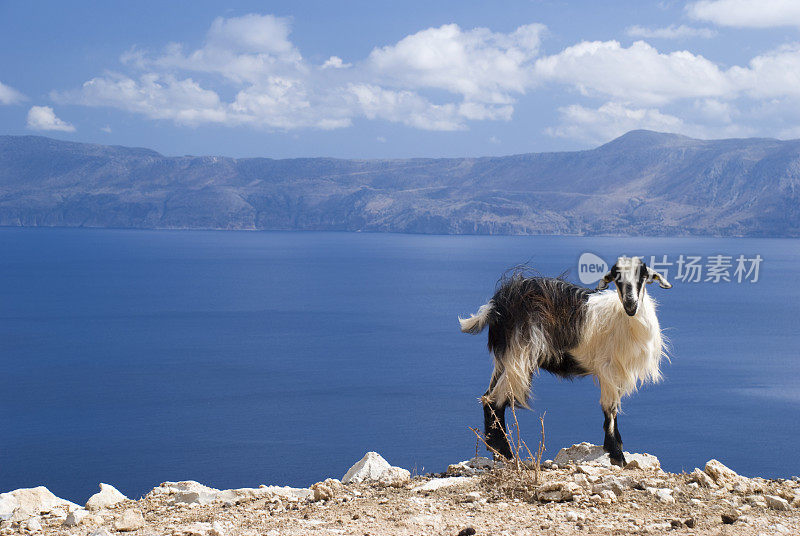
(572, 500)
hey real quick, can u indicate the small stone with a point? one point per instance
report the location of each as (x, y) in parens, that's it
(370, 467)
(574, 516)
(394, 477)
(472, 496)
(756, 500)
(77, 517)
(588, 453)
(107, 497)
(128, 521)
(558, 491)
(608, 495)
(730, 518)
(691, 522)
(469, 531)
(662, 494)
(438, 483)
(474, 466)
(581, 480)
(33, 525)
(702, 478)
(100, 532)
(776, 503)
(721, 474)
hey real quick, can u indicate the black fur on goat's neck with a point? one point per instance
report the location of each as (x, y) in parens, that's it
(557, 307)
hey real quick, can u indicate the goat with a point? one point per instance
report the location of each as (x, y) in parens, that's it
(545, 323)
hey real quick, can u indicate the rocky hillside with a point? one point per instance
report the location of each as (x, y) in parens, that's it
(643, 183)
(579, 492)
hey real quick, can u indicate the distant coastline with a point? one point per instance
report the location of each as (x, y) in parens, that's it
(641, 184)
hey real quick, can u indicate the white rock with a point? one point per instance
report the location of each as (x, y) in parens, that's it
(608, 495)
(187, 491)
(439, 483)
(107, 497)
(100, 532)
(776, 503)
(326, 490)
(571, 515)
(581, 480)
(470, 467)
(191, 492)
(559, 491)
(702, 478)
(34, 501)
(721, 474)
(662, 494)
(588, 453)
(128, 521)
(394, 477)
(33, 525)
(472, 496)
(77, 517)
(370, 467)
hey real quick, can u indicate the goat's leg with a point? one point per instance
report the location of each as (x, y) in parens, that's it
(612, 443)
(494, 423)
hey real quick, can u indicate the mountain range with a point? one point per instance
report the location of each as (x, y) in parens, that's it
(642, 183)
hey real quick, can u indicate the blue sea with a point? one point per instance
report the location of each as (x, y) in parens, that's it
(242, 358)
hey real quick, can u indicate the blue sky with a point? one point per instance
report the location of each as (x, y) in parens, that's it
(396, 79)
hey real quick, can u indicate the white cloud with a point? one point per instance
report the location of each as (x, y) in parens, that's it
(405, 107)
(44, 118)
(248, 72)
(609, 121)
(9, 95)
(480, 72)
(612, 119)
(670, 32)
(747, 13)
(152, 95)
(335, 62)
(478, 64)
(770, 75)
(637, 74)
(715, 110)
(106, 129)
(250, 48)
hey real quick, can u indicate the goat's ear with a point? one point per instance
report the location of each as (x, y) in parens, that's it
(652, 275)
(603, 283)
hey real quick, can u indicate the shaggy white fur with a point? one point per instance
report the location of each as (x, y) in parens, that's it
(622, 351)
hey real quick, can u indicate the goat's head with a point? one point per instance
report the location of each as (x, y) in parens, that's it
(630, 275)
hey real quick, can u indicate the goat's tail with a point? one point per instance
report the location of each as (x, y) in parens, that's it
(477, 322)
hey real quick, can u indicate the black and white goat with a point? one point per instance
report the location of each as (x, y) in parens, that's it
(543, 323)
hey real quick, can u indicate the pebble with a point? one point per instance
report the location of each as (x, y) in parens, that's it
(129, 521)
(776, 503)
(729, 518)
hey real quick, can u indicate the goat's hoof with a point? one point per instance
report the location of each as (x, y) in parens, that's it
(619, 461)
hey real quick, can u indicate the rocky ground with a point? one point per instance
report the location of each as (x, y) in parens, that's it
(580, 492)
